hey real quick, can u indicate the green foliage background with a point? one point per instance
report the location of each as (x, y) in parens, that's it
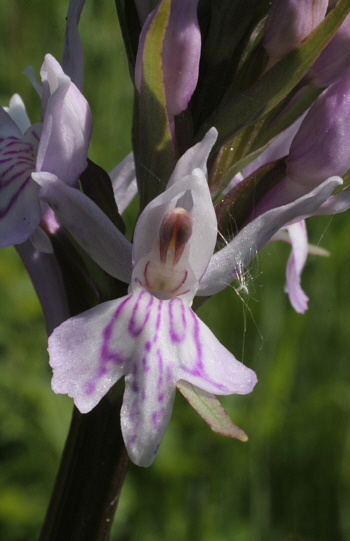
(291, 480)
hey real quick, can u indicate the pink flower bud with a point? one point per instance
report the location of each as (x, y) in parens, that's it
(290, 22)
(180, 55)
(334, 59)
(321, 147)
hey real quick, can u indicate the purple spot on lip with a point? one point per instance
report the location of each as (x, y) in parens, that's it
(145, 365)
(155, 419)
(148, 346)
(132, 439)
(134, 369)
(90, 388)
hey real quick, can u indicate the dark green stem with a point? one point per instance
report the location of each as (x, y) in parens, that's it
(90, 477)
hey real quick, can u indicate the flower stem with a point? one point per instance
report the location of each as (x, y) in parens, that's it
(90, 477)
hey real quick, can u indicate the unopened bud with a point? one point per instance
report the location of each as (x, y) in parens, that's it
(321, 147)
(180, 54)
(334, 59)
(290, 22)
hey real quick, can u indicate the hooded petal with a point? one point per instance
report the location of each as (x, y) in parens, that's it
(253, 237)
(194, 158)
(88, 224)
(297, 259)
(191, 193)
(67, 125)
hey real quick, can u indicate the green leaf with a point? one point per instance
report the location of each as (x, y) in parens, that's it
(131, 28)
(155, 155)
(229, 22)
(210, 409)
(248, 106)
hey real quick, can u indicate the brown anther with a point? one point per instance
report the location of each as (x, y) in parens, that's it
(175, 232)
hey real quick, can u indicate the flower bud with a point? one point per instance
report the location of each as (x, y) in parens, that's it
(290, 22)
(321, 147)
(334, 59)
(180, 55)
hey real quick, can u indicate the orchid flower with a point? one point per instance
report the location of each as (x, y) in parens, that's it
(151, 336)
(58, 146)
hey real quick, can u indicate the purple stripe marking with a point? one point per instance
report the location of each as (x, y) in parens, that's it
(106, 354)
(160, 377)
(199, 368)
(13, 199)
(15, 175)
(174, 336)
(132, 328)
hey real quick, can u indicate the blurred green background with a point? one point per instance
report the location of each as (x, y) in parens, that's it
(291, 480)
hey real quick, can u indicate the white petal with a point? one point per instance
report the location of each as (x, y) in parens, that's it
(254, 236)
(295, 265)
(123, 178)
(195, 157)
(18, 113)
(84, 353)
(335, 204)
(201, 359)
(88, 224)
